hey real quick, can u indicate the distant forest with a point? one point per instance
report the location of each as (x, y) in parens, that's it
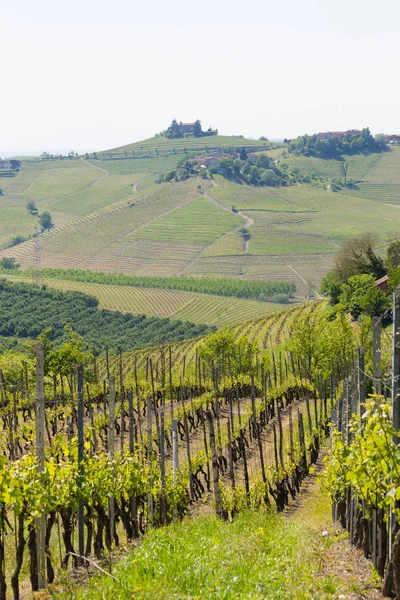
(26, 311)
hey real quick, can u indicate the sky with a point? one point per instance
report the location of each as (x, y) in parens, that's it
(88, 75)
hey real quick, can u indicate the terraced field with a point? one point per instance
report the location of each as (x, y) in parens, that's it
(183, 306)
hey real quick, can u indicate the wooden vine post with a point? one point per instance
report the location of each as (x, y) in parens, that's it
(217, 493)
(111, 444)
(41, 520)
(376, 354)
(396, 364)
(81, 516)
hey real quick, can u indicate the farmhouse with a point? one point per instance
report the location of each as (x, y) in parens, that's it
(5, 164)
(206, 161)
(327, 135)
(393, 138)
(382, 284)
(186, 127)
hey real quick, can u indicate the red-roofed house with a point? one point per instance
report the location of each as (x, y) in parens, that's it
(382, 284)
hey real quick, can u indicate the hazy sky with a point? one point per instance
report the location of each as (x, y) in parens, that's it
(94, 74)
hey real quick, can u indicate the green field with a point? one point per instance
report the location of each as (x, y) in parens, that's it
(110, 216)
(177, 305)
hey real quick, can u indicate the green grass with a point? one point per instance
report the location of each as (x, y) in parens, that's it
(258, 556)
(192, 144)
(110, 216)
(199, 222)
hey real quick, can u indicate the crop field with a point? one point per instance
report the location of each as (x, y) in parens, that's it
(191, 144)
(110, 216)
(176, 305)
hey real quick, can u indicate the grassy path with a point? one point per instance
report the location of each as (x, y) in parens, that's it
(260, 555)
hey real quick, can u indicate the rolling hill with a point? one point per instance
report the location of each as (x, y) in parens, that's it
(109, 215)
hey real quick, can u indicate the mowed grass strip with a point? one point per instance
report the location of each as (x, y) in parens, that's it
(259, 555)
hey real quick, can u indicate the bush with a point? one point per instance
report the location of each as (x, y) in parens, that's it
(280, 298)
(9, 263)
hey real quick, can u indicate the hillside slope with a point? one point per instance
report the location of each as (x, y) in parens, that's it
(109, 214)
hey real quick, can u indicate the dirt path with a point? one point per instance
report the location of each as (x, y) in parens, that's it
(340, 562)
(88, 164)
(304, 281)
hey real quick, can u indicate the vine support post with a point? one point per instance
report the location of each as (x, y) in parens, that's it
(131, 423)
(396, 365)
(361, 381)
(111, 443)
(217, 493)
(41, 520)
(150, 504)
(122, 399)
(175, 463)
(81, 515)
(163, 502)
(376, 354)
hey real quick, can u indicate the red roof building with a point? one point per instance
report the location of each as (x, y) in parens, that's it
(382, 284)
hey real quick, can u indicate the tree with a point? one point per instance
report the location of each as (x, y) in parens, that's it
(269, 177)
(197, 131)
(374, 303)
(243, 154)
(45, 221)
(1, 191)
(31, 208)
(173, 130)
(356, 293)
(331, 287)
(393, 255)
(358, 256)
(343, 168)
(9, 263)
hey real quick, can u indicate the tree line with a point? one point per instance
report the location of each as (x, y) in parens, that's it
(361, 142)
(238, 288)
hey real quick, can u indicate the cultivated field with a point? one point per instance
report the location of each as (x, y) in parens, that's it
(110, 216)
(178, 306)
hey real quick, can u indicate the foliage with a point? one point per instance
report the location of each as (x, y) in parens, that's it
(232, 357)
(393, 255)
(352, 143)
(26, 311)
(353, 292)
(370, 462)
(317, 342)
(238, 288)
(358, 256)
(32, 209)
(330, 286)
(9, 263)
(45, 220)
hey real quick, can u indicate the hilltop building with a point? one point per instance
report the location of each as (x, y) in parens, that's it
(393, 138)
(5, 164)
(187, 128)
(327, 135)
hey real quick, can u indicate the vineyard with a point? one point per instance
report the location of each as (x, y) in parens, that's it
(119, 454)
(178, 306)
(116, 445)
(125, 223)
